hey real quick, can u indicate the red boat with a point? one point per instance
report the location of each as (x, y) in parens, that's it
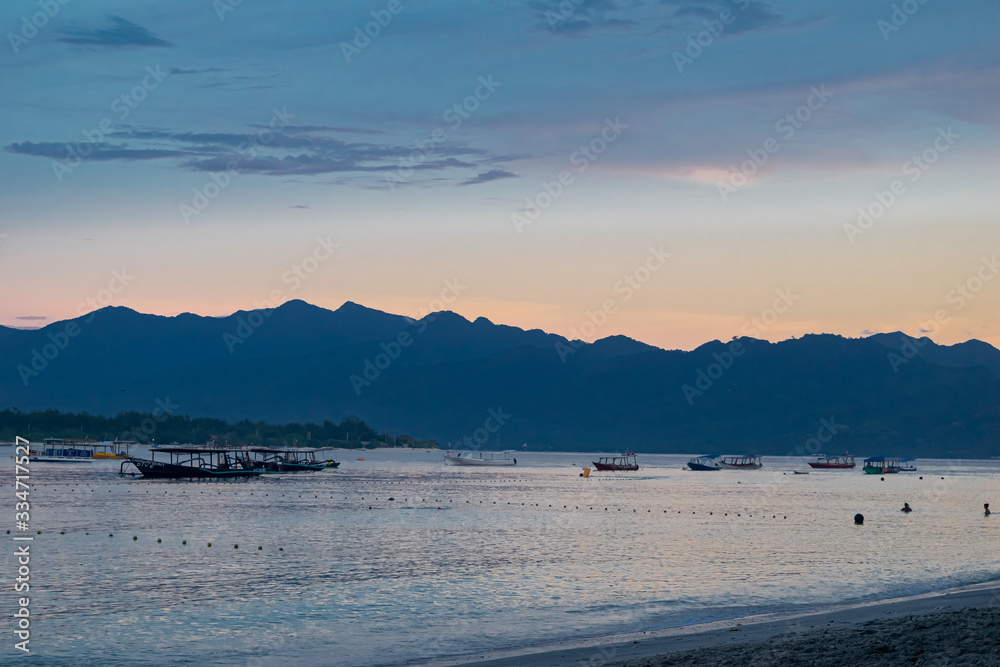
(624, 462)
(833, 462)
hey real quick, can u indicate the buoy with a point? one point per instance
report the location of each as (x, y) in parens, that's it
(209, 544)
(260, 548)
(135, 537)
(184, 542)
(158, 540)
(859, 519)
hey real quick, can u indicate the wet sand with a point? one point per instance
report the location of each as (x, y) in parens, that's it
(956, 627)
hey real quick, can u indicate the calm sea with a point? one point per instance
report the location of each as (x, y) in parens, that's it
(399, 558)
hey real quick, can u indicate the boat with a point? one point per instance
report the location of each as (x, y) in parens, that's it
(116, 449)
(881, 465)
(504, 458)
(57, 450)
(800, 472)
(191, 462)
(825, 462)
(741, 462)
(906, 465)
(705, 462)
(626, 461)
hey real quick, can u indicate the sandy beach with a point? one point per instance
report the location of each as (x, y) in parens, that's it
(954, 627)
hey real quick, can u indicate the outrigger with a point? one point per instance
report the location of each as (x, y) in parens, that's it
(289, 460)
(191, 462)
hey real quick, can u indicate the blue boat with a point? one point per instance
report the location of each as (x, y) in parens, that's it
(705, 462)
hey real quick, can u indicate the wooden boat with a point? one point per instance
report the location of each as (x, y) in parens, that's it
(825, 462)
(705, 462)
(742, 462)
(907, 465)
(881, 465)
(194, 462)
(625, 462)
(505, 458)
(289, 460)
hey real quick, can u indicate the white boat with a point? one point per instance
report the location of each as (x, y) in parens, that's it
(59, 451)
(744, 462)
(480, 459)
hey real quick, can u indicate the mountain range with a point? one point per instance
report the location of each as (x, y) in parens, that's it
(485, 385)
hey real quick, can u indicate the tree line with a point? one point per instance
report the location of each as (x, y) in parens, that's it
(159, 428)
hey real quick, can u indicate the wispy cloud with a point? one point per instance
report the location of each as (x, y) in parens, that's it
(119, 33)
(289, 151)
(486, 177)
(32, 318)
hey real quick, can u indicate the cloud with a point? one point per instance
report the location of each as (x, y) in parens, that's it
(284, 151)
(568, 18)
(119, 34)
(868, 332)
(486, 177)
(300, 206)
(32, 318)
(178, 70)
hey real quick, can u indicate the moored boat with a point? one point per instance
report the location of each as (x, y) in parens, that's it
(824, 462)
(504, 458)
(64, 451)
(741, 462)
(907, 465)
(194, 462)
(705, 462)
(625, 462)
(881, 465)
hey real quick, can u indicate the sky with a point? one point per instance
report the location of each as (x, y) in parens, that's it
(676, 171)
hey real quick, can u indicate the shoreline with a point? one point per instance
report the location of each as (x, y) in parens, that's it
(739, 634)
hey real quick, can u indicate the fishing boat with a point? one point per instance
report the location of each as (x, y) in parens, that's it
(881, 465)
(705, 462)
(825, 462)
(504, 458)
(192, 462)
(741, 462)
(907, 465)
(624, 462)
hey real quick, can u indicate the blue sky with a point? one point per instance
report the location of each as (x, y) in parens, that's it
(535, 152)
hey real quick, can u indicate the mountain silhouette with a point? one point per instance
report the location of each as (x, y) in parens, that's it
(443, 377)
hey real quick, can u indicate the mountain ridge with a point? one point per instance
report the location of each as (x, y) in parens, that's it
(437, 378)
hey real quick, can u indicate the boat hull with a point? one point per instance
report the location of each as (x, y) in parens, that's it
(702, 466)
(749, 466)
(161, 470)
(464, 461)
(60, 459)
(831, 466)
(613, 466)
